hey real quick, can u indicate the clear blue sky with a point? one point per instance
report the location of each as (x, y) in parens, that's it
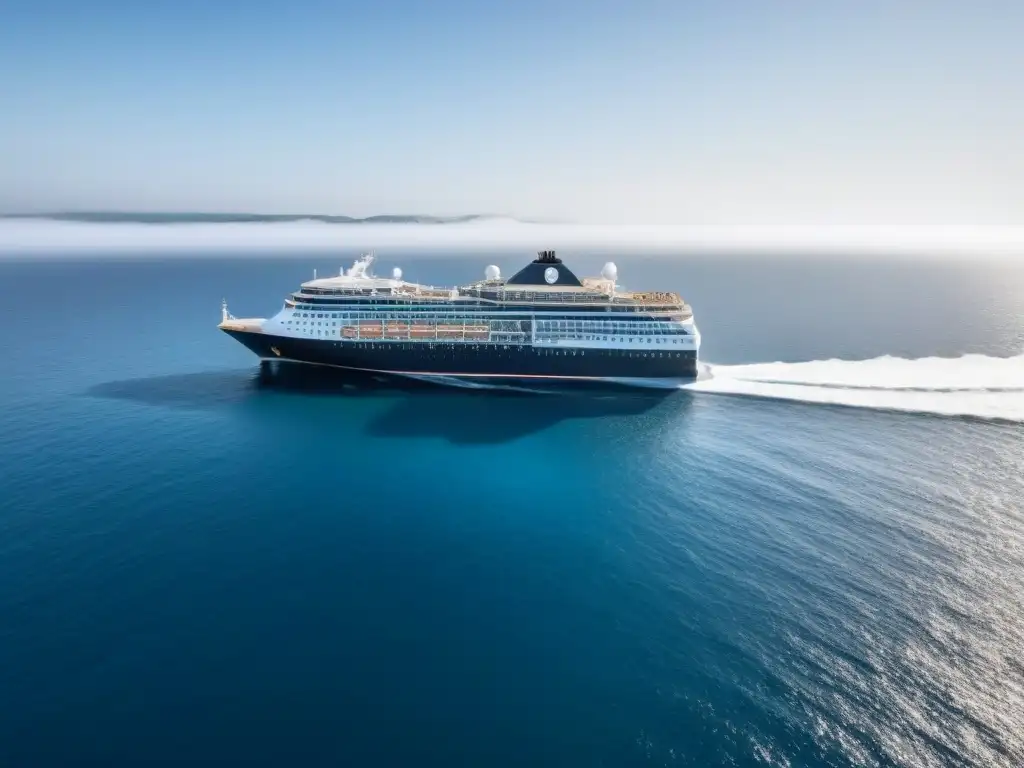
(793, 111)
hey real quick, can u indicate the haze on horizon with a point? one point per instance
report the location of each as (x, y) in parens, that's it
(648, 112)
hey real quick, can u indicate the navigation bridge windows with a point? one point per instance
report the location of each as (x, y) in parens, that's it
(313, 323)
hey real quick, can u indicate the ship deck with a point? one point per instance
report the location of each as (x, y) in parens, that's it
(247, 324)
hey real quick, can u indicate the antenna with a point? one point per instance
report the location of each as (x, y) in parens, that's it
(314, 273)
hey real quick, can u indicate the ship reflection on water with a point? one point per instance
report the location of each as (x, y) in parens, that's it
(460, 413)
(396, 406)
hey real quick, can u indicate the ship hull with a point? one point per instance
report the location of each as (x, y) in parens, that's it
(472, 360)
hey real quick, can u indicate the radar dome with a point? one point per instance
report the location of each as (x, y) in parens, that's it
(397, 273)
(609, 271)
(492, 272)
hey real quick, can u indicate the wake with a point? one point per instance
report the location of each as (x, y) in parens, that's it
(458, 382)
(972, 385)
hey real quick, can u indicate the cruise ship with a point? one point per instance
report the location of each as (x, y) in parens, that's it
(543, 322)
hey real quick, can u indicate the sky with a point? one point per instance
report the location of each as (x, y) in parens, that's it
(716, 113)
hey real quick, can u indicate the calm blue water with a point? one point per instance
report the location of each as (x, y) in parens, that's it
(198, 565)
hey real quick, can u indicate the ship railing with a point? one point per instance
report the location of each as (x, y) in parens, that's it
(640, 302)
(392, 330)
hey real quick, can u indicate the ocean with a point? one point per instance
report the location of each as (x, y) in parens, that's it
(813, 557)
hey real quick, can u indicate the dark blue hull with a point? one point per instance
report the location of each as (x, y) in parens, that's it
(483, 361)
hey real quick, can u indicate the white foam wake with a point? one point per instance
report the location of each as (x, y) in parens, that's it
(458, 382)
(972, 385)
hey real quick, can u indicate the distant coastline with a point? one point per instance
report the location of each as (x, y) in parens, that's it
(122, 217)
(138, 232)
